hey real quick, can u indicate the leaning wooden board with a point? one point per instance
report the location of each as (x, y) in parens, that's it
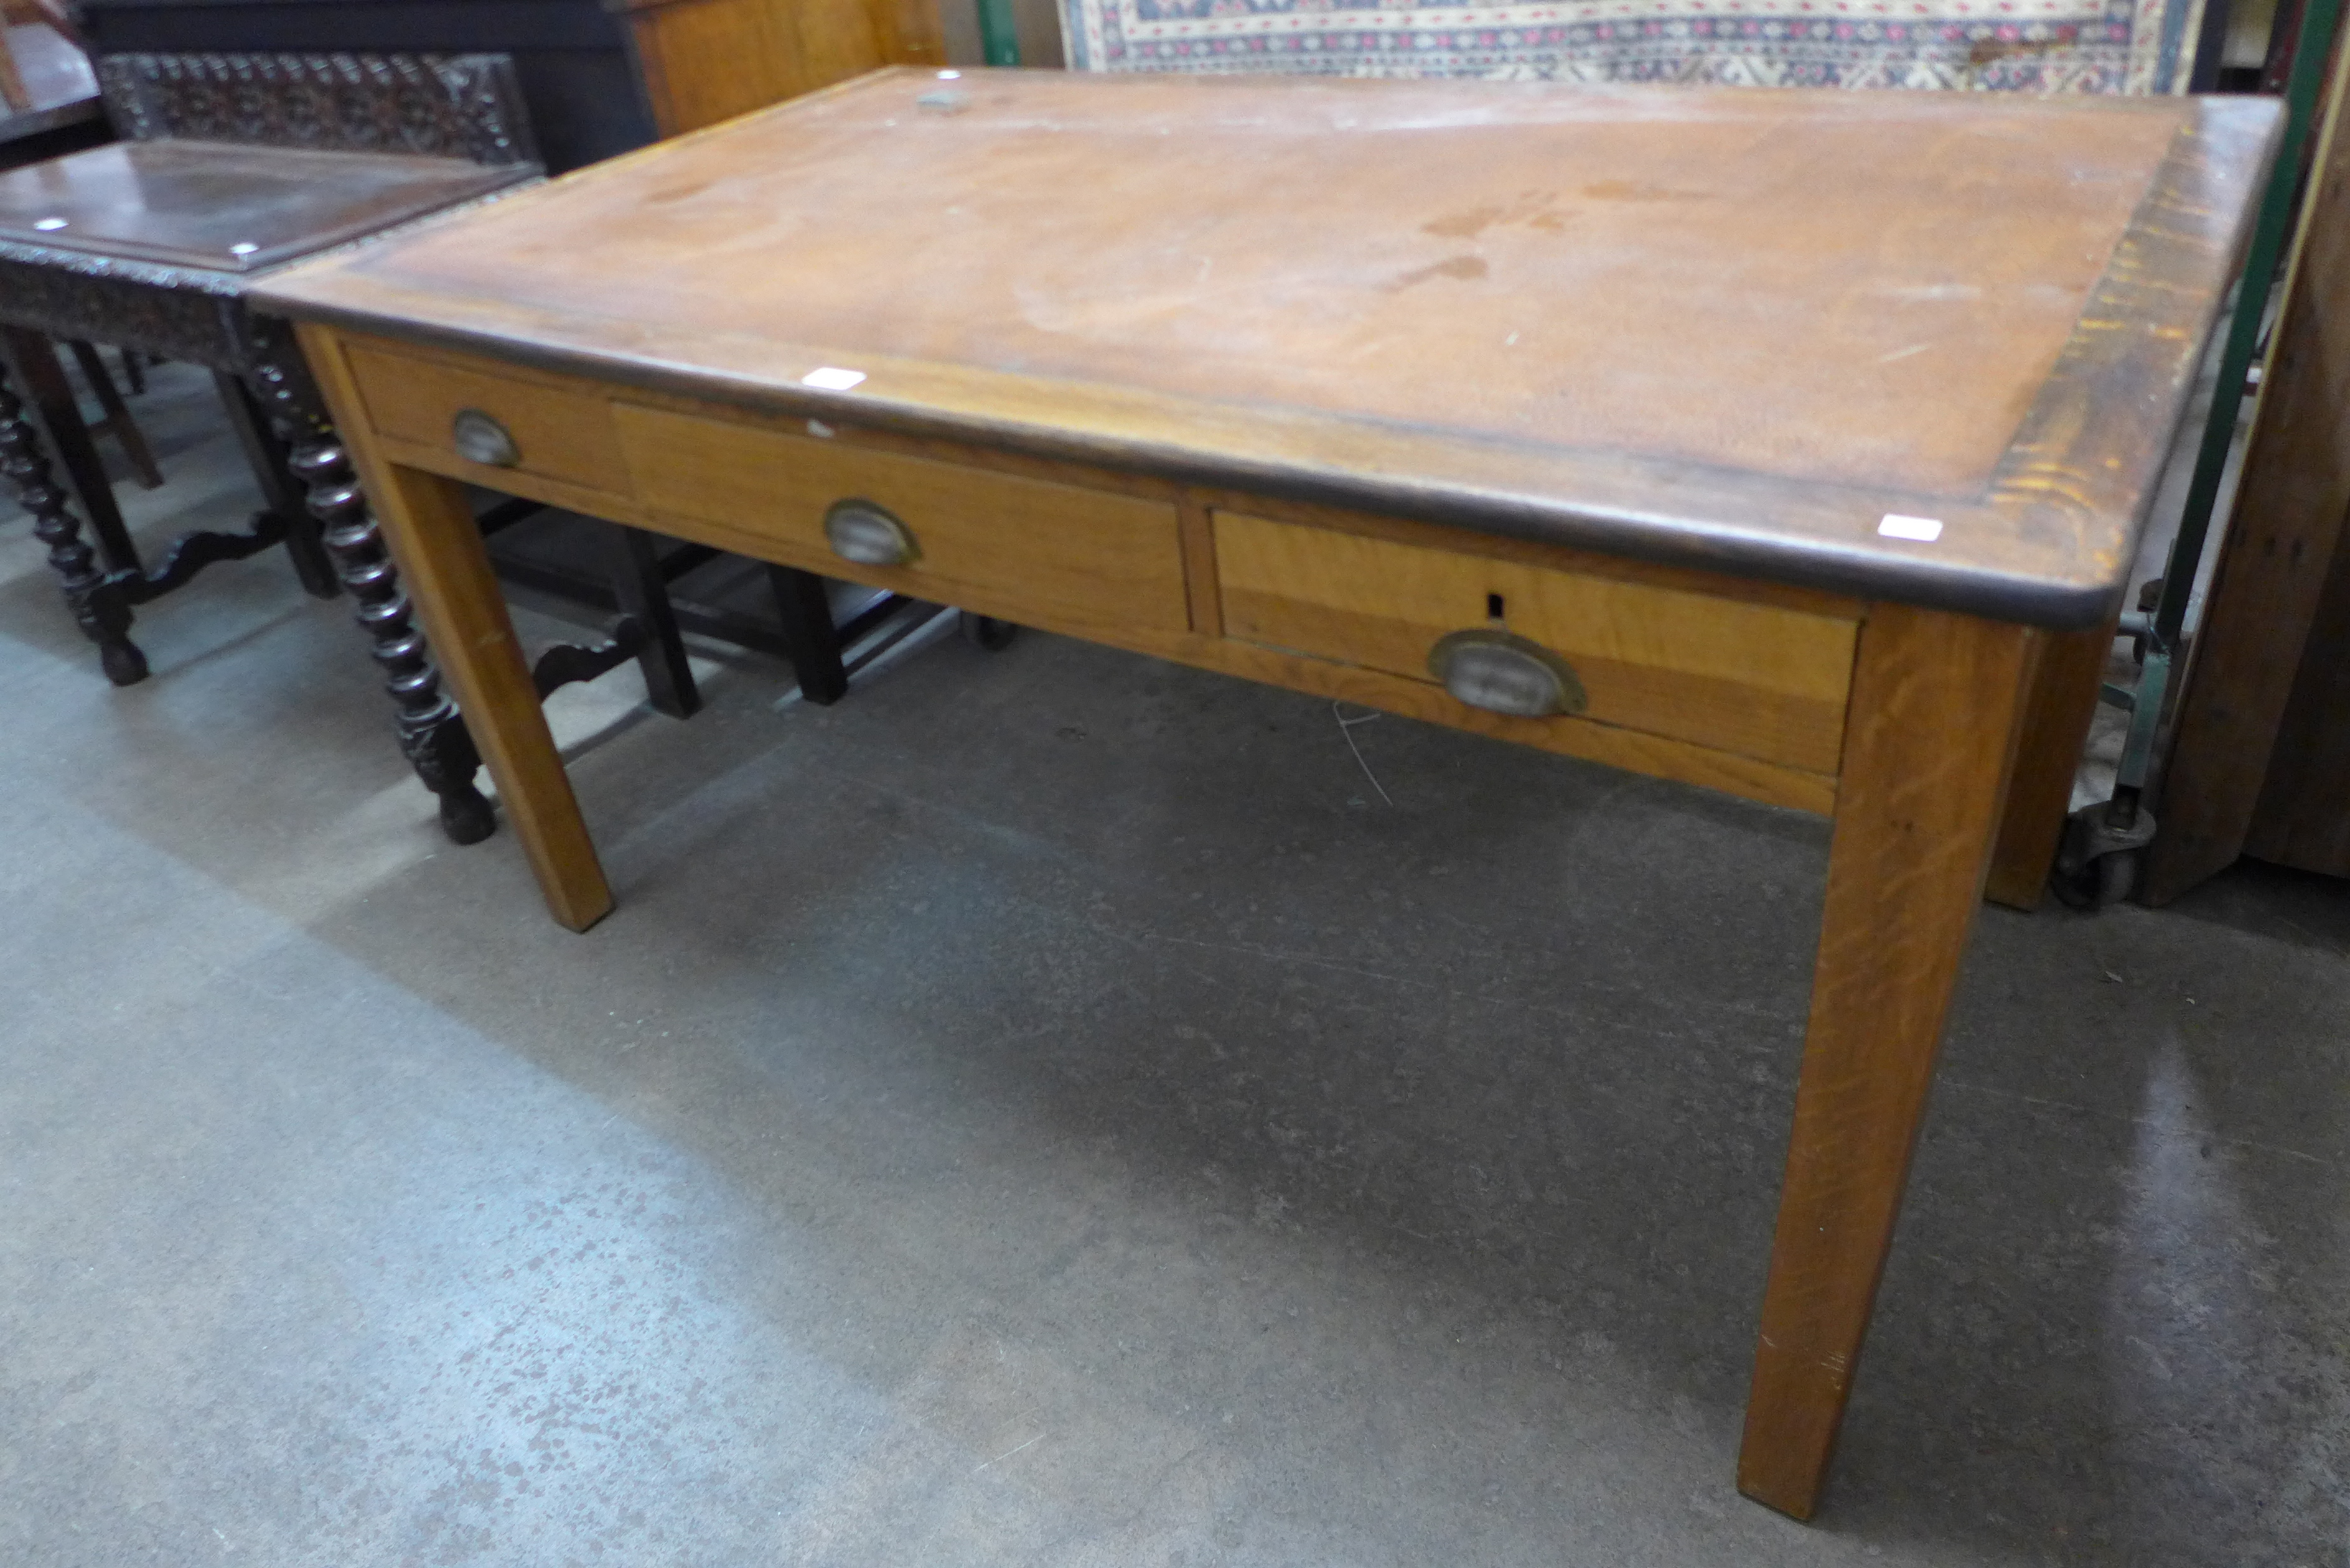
(2259, 738)
(1752, 439)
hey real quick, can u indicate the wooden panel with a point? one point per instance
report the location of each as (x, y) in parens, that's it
(2056, 729)
(1529, 552)
(1638, 751)
(835, 39)
(1937, 702)
(2274, 559)
(562, 433)
(2303, 816)
(706, 61)
(1028, 549)
(1753, 679)
(709, 61)
(1655, 755)
(911, 32)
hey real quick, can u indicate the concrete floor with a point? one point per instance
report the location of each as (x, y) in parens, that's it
(1053, 1109)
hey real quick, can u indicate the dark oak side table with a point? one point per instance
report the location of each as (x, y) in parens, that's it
(232, 167)
(598, 77)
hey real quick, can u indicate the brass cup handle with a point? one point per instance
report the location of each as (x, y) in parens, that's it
(869, 536)
(1501, 672)
(480, 438)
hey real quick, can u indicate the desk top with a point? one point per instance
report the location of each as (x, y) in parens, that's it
(226, 207)
(1729, 328)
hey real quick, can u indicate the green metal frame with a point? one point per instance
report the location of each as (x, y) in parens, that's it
(2312, 53)
(999, 37)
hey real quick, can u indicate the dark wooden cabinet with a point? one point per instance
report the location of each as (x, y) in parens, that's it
(599, 77)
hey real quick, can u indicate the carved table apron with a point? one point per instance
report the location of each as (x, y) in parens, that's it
(1597, 421)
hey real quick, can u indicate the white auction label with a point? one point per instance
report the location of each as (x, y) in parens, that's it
(1925, 530)
(833, 378)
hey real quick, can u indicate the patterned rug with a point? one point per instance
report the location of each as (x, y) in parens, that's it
(2020, 46)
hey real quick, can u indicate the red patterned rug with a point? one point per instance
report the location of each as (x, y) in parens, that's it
(2027, 46)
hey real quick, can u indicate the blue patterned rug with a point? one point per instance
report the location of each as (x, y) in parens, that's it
(2023, 46)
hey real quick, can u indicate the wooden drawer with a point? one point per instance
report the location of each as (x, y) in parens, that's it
(1027, 549)
(560, 431)
(1764, 681)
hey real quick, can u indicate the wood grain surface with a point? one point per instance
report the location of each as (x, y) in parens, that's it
(1937, 702)
(1640, 320)
(1046, 554)
(709, 61)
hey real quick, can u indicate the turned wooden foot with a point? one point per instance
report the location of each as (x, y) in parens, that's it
(98, 605)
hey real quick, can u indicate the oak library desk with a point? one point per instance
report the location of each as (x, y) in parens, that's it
(1753, 439)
